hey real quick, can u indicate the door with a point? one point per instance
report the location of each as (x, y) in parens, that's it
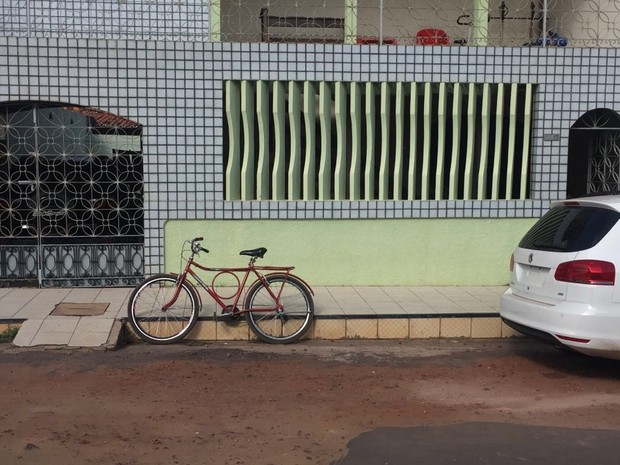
(71, 186)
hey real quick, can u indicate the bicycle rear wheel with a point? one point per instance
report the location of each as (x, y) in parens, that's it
(291, 321)
(150, 321)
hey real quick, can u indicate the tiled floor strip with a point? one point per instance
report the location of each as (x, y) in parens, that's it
(352, 312)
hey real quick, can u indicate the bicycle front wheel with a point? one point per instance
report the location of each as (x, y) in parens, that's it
(156, 324)
(285, 324)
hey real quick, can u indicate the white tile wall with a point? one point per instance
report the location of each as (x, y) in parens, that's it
(175, 90)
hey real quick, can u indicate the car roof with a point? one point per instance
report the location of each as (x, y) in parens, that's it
(605, 201)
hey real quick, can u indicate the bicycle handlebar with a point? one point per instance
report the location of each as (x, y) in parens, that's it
(196, 247)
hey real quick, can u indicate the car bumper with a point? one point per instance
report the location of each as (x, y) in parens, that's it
(582, 327)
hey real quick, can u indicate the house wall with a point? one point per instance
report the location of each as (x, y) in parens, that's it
(175, 89)
(372, 252)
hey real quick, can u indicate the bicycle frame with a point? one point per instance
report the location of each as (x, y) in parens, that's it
(241, 284)
(277, 305)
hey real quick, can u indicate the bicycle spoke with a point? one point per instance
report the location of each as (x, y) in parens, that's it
(147, 314)
(287, 323)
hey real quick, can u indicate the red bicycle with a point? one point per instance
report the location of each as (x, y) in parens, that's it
(278, 305)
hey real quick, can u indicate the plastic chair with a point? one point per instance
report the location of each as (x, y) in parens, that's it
(432, 36)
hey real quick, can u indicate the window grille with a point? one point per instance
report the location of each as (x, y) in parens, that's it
(376, 141)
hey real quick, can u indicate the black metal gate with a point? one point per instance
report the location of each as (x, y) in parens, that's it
(594, 154)
(71, 196)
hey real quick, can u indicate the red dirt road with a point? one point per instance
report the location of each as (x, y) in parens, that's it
(252, 403)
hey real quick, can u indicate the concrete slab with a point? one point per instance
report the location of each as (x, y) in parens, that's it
(117, 298)
(4, 291)
(17, 300)
(376, 294)
(51, 339)
(389, 307)
(83, 294)
(39, 304)
(27, 332)
(91, 332)
(10, 307)
(55, 330)
(415, 307)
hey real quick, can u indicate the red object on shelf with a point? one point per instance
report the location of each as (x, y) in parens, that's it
(432, 36)
(370, 40)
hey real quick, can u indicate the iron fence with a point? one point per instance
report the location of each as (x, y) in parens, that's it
(71, 196)
(107, 19)
(573, 23)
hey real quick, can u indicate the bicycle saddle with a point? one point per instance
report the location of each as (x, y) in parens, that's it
(260, 252)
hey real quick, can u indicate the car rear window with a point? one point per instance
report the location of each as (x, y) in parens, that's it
(570, 229)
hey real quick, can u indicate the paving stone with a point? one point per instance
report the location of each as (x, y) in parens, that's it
(27, 332)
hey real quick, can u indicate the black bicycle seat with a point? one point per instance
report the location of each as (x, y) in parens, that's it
(260, 252)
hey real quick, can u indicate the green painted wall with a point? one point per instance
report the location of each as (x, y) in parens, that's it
(362, 252)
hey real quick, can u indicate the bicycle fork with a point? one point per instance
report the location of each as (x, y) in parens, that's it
(181, 278)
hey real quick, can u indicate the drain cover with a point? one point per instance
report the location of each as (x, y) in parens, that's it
(79, 309)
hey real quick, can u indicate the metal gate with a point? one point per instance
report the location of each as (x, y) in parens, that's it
(594, 154)
(71, 196)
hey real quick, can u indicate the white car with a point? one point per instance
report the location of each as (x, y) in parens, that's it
(563, 283)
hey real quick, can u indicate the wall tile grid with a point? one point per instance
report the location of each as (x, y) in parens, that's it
(175, 89)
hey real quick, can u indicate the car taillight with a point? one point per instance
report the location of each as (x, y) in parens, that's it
(587, 272)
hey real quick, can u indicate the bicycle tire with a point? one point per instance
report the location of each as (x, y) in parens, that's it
(145, 313)
(280, 327)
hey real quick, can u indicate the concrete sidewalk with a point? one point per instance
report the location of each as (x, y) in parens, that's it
(341, 312)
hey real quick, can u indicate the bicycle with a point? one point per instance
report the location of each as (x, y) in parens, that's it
(277, 306)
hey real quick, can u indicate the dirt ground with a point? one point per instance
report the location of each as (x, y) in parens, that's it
(253, 403)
